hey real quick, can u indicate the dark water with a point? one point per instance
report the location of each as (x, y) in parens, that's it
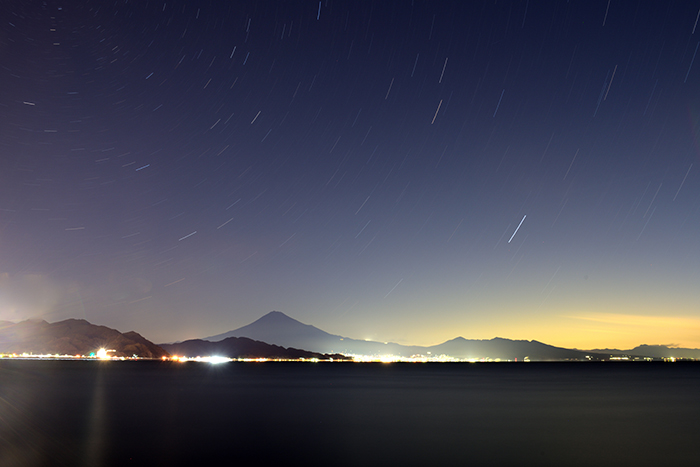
(89, 413)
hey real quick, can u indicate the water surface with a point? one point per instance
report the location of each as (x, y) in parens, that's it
(95, 413)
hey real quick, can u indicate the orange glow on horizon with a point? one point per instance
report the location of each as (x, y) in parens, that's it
(574, 330)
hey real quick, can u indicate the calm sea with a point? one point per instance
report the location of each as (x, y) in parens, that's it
(90, 413)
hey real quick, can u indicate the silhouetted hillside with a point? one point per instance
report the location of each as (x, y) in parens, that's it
(505, 349)
(74, 337)
(240, 347)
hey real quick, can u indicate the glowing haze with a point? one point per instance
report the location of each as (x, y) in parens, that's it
(396, 171)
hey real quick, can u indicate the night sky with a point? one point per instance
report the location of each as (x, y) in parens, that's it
(396, 171)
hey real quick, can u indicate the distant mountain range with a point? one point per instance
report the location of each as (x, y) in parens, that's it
(276, 335)
(79, 337)
(73, 337)
(278, 328)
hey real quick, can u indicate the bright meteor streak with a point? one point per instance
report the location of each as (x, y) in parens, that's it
(516, 229)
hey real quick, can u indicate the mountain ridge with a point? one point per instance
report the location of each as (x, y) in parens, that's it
(276, 335)
(241, 347)
(73, 337)
(277, 328)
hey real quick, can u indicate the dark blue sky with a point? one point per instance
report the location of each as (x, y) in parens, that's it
(182, 168)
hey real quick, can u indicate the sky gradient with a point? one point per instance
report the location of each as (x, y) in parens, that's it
(395, 171)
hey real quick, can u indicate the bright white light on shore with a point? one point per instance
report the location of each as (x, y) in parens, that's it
(216, 360)
(102, 354)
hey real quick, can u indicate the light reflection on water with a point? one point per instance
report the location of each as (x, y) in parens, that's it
(161, 413)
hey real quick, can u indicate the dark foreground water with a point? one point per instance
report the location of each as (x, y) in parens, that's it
(89, 413)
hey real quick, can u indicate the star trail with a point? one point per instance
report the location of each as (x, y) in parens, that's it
(182, 168)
